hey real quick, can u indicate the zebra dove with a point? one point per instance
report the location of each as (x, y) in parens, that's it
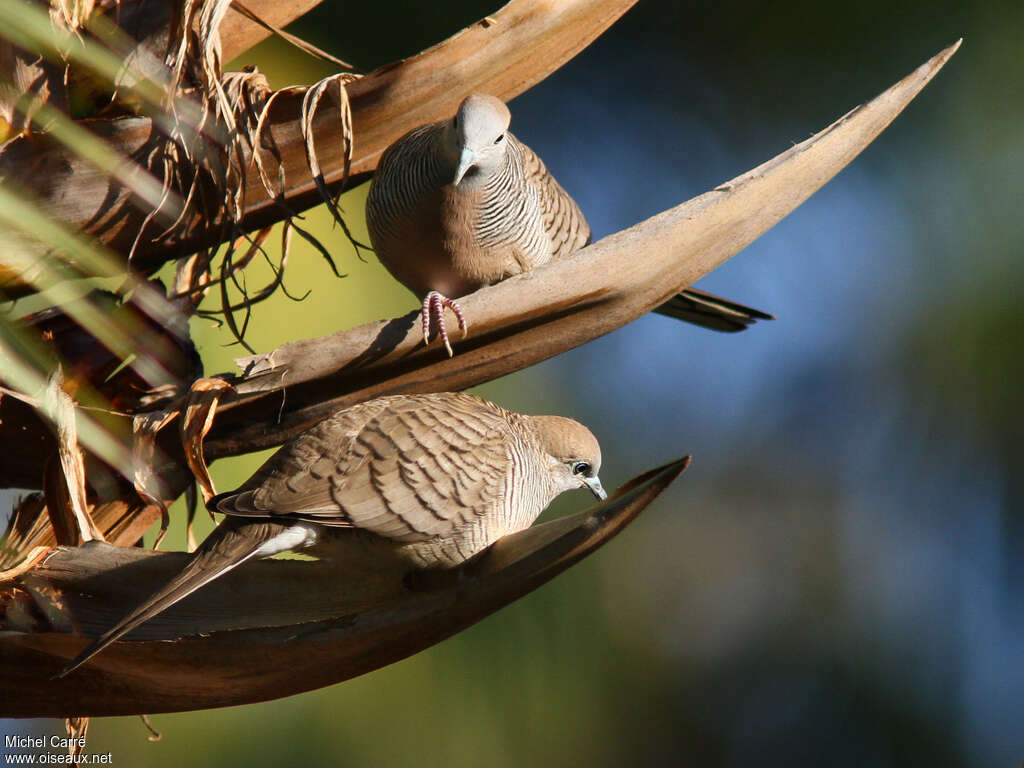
(406, 482)
(461, 204)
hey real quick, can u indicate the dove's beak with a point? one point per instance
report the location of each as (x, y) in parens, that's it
(466, 161)
(594, 484)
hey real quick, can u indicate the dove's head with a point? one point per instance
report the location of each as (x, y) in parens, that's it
(477, 138)
(574, 456)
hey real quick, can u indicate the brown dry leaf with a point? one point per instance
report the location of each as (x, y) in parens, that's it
(124, 521)
(77, 729)
(26, 528)
(65, 495)
(148, 485)
(263, 140)
(71, 14)
(26, 81)
(193, 277)
(252, 101)
(210, 18)
(191, 281)
(247, 93)
(154, 734)
(58, 505)
(196, 421)
(27, 563)
(30, 536)
(310, 102)
(205, 152)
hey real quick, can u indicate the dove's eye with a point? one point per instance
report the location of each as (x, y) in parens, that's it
(581, 468)
(499, 139)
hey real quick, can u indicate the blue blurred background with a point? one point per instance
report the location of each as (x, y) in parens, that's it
(838, 577)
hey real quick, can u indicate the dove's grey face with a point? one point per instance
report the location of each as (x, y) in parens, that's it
(477, 138)
(573, 451)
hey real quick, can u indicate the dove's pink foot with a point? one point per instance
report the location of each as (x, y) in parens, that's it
(433, 310)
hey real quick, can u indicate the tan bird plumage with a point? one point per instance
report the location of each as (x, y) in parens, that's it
(460, 204)
(404, 482)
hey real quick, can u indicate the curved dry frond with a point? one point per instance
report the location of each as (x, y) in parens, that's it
(254, 634)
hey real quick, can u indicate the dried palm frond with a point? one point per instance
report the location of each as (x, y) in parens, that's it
(254, 635)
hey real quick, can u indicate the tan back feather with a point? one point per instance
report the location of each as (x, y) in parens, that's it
(409, 468)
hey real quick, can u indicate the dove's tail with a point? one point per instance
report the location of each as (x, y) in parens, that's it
(709, 311)
(230, 545)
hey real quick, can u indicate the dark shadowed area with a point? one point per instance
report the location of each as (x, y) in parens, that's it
(839, 577)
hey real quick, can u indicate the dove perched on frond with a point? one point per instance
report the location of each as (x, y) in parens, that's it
(460, 204)
(410, 482)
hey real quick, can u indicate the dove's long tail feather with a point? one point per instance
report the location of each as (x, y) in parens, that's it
(709, 311)
(226, 548)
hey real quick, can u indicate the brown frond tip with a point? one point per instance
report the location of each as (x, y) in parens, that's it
(27, 536)
(77, 729)
(335, 87)
(196, 421)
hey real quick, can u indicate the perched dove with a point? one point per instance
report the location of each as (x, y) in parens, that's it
(461, 204)
(406, 482)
